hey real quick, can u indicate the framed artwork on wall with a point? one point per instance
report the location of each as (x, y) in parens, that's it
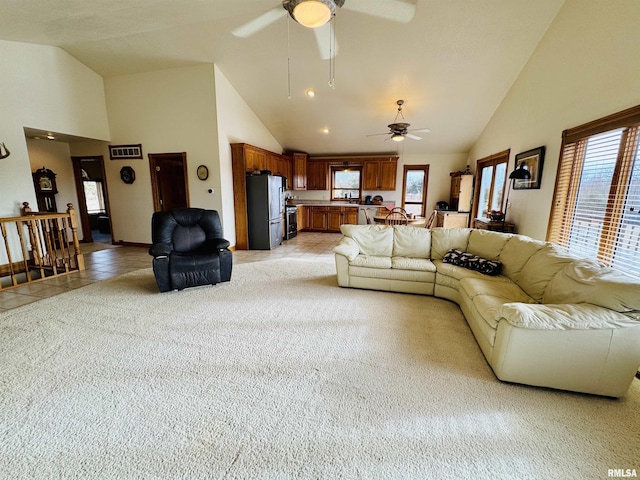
(118, 152)
(531, 160)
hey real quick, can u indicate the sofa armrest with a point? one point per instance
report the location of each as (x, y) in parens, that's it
(347, 247)
(218, 244)
(579, 316)
(160, 250)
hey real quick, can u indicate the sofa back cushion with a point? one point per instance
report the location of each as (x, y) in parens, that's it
(411, 242)
(371, 239)
(487, 244)
(585, 281)
(515, 253)
(444, 239)
(542, 266)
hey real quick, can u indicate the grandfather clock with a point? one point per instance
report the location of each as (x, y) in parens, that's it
(44, 181)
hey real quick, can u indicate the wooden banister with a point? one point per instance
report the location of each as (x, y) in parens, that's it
(49, 248)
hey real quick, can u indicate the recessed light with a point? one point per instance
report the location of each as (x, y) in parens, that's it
(326, 130)
(310, 92)
(50, 136)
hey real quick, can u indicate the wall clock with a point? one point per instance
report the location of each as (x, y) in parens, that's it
(128, 175)
(203, 172)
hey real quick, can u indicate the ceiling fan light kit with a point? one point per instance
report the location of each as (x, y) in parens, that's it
(311, 13)
(398, 131)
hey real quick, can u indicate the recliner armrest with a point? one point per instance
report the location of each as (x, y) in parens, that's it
(160, 250)
(215, 244)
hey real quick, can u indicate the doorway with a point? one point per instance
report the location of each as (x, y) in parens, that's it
(169, 180)
(93, 204)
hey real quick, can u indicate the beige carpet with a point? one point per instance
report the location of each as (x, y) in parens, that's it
(281, 374)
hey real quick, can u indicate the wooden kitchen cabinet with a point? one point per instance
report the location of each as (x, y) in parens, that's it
(255, 159)
(379, 174)
(317, 173)
(303, 222)
(461, 191)
(329, 219)
(299, 166)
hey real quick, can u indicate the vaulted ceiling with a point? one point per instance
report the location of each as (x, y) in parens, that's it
(452, 63)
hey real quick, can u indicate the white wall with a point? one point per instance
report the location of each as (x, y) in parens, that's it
(166, 111)
(42, 87)
(586, 66)
(56, 156)
(237, 123)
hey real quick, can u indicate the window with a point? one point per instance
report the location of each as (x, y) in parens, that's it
(414, 189)
(490, 182)
(345, 182)
(596, 202)
(94, 196)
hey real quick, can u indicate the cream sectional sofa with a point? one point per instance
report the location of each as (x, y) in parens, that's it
(548, 319)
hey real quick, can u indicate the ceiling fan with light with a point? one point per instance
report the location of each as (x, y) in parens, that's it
(399, 130)
(318, 13)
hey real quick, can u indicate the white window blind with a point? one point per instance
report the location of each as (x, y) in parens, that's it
(596, 207)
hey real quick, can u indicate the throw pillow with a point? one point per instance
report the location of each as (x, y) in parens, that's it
(472, 262)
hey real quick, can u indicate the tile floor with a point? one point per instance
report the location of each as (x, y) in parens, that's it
(105, 261)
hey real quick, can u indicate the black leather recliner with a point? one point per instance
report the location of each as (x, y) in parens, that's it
(188, 249)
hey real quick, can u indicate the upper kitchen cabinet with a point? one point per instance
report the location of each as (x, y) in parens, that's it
(379, 174)
(317, 175)
(299, 164)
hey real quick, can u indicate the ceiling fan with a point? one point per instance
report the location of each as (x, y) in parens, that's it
(400, 130)
(317, 14)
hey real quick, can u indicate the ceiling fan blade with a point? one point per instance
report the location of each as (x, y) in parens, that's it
(376, 134)
(328, 47)
(260, 22)
(395, 10)
(413, 137)
(425, 130)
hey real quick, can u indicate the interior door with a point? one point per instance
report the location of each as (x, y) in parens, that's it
(95, 165)
(169, 180)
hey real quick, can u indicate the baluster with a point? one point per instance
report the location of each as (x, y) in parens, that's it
(24, 252)
(14, 277)
(73, 220)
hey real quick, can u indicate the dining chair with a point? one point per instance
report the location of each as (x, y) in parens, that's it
(399, 209)
(396, 218)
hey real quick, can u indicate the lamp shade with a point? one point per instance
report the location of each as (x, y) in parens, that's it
(520, 173)
(312, 13)
(397, 137)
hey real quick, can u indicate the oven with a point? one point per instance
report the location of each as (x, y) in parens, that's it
(290, 222)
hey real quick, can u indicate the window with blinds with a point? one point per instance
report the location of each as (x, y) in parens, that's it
(596, 203)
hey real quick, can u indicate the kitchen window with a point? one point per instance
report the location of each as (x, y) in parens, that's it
(491, 180)
(346, 183)
(596, 202)
(414, 189)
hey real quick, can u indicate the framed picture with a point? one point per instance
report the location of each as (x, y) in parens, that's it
(118, 152)
(531, 160)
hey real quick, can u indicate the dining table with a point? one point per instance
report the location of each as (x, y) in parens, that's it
(416, 220)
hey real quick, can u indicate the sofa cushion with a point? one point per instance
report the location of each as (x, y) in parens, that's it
(472, 262)
(444, 239)
(371, 261)
(487, 244)
(411, 242)
(347, 247)
(565, 317)
(516, 253)
(541, 268)
(371, 239)
(407, 263)
(585, 281)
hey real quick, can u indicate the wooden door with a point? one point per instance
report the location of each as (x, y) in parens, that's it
(370, 173)
(316, 175)
(318, 218)
(169, 180)
(350, 216)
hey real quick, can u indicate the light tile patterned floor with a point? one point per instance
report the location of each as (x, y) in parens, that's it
(115, 260)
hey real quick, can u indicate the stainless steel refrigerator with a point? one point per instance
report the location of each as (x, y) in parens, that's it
(265, 211)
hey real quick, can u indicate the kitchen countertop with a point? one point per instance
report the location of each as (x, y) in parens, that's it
(302, 203)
